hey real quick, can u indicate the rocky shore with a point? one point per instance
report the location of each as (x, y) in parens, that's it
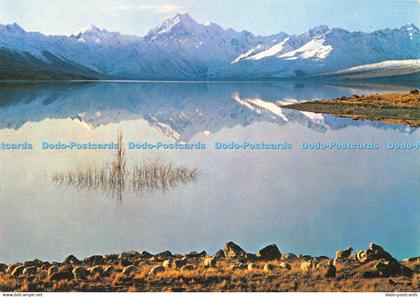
(229, 269)
(403, 109)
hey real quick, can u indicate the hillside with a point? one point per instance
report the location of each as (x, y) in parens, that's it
(23, 66)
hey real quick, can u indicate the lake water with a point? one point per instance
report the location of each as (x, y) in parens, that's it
(305, 201)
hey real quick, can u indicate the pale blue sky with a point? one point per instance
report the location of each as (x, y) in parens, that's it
(258, 16)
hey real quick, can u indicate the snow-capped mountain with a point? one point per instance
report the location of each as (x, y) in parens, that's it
(183, 32)
(93, 34)
(183, 49)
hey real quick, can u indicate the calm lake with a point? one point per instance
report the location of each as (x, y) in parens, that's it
(305, 201)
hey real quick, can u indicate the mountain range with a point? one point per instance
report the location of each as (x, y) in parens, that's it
(183, 49)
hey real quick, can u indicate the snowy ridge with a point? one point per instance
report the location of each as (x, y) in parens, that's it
(384, 65)
(381, 69)
(315, 49)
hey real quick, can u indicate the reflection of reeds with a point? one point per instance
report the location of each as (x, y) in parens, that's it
(156, 175)
(114, 176)
(118, 165)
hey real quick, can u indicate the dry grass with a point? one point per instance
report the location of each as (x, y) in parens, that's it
(394, 100)
(115, 176)
(218, 279)
(403, 109)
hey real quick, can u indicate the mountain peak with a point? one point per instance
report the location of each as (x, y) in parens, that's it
(410, 27)
(321, 29)
(181, 22)
(92, 33)
(183, 16)
(91, 29)
(12, 28)
(180, 19)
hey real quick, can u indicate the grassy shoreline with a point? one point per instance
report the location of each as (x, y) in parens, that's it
(397, 108)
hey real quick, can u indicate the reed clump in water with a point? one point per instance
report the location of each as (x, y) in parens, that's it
(115, 176)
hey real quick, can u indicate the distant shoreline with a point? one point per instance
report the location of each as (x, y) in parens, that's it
(403, 109)
(333, 82)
